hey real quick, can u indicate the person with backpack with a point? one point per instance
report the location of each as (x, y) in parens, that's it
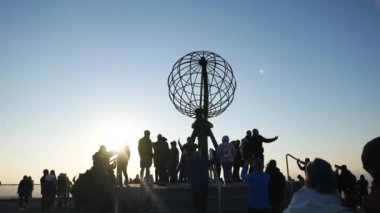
(226, 153)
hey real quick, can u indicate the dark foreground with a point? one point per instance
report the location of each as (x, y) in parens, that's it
(12, 205)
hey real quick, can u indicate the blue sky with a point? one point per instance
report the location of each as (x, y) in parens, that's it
(78, 74)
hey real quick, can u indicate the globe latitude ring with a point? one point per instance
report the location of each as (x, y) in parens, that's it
(186, 85)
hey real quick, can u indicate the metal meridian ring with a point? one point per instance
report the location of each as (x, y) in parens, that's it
(185, 83)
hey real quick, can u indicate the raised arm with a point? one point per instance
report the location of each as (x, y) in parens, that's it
(299, 164)
(268, 140)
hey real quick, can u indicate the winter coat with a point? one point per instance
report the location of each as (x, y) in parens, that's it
(310, 201)
(226, 152)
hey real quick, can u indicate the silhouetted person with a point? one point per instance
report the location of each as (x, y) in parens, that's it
(226, 153)
(187, 150)
(254, 148)
(92, 191)
(277, 185)
(24, 190)
(32, 183)
(371, 163)
(145, 148)
(302, 164)
(136, 179)
(301, 180)
(50, 190)
(244, 141)
(173, 162)
(63, 189)
(198, 178)
(319, 193)
(238, 162)
(122, 163)
(347, 182)
(362, 186)
(43, 191)
(216, 162)
(258, 197)
(101, 159)
(161, 155)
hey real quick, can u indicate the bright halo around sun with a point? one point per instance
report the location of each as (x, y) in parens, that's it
(114, 135)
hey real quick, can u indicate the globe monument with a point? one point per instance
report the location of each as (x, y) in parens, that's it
(202, 85)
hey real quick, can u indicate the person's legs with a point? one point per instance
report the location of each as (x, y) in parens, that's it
(229, 172)
(125, 174)
(227, 166)
(142, 174)
(235, 175)
(119, 176)
(21, 199)
(147, 173)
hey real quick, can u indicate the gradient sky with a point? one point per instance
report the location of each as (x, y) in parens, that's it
(78, 74)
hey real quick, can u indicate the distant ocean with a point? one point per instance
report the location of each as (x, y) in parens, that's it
(8, 191)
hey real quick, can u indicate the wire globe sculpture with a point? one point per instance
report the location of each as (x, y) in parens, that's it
(187, 84)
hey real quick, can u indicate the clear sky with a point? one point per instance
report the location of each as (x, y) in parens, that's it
(78, 74)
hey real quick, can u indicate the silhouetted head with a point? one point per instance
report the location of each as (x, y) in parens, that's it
(343, 167)
(271, 164)
(30, 178)
(307, 160)
(25, 177)
(255, 132)
(188, 139)
(249, 133)
(146, 133)
(52, 172)
(371, 157)
(46, 171)
(320, 176)
(159, 137)
(173, 143)
(362, 177)
(237, 142)
(102, 148)
(225, 139)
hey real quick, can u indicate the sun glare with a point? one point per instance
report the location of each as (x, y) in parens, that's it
(114, 135)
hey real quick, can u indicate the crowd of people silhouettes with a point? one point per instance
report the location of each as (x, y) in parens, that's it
(324, 190)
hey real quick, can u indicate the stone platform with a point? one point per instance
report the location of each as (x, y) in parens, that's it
(178, 198)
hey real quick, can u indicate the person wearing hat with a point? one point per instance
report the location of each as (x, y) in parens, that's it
(226, 153)
(161, 157)
(371, 163)
(319, 193)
